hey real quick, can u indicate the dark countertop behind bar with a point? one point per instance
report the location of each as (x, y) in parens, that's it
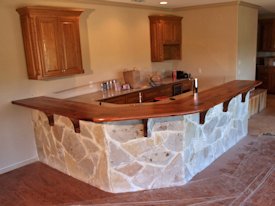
(102, 95)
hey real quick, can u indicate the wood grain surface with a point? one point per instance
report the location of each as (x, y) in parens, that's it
(106, 112)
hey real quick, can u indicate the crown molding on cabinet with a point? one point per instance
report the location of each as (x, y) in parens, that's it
(117, 4)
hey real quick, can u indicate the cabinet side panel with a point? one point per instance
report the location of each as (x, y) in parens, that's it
(30, 47)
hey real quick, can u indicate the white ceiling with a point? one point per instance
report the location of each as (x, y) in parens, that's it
(268, 6)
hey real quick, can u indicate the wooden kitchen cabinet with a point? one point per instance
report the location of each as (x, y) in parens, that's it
(132, 98)
(165, 37)
(166, 90)
(148, 95)
(123, 99)
(266, 35)
(262, 75)
(271, 80)
(51, 41)
(266, 74)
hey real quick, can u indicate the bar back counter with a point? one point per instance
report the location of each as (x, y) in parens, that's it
(132, 147)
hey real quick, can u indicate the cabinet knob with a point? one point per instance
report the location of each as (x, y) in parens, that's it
(63, 70)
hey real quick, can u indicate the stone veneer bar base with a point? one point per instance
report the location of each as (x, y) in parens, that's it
(115, 156)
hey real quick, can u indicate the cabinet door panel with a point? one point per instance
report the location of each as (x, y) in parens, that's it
(132, 98)
(48, 38)
(273, 36)
(156, 39)
(267, 36)
(262, 75)
(177, 32)
(150, 94)
(71, 45)
(166, 90)
(168, 36)
(271, 80)
(171, 32)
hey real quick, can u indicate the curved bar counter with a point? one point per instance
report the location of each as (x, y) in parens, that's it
(97, 112)
(105, 146)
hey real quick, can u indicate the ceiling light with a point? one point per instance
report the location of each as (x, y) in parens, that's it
(163, 2)
(138, 1)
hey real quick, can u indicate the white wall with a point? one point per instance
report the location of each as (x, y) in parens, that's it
(219, 43)
(112, 38)
(247, 42)
(210, 43)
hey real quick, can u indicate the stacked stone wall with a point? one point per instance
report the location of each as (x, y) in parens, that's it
(116, 157)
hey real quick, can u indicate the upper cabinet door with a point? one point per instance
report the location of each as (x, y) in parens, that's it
(49, 46)
(70, 45)
(156, 37)
(171, 32)
(52, 41)
(267, 35)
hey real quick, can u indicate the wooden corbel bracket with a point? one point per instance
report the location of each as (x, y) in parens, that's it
(225, 105)
(76, 125)
(74, 121)
(244, 96)
(50, 118)
(145, 127)
(202, 116)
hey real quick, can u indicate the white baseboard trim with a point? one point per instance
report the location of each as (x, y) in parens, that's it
(18, 164)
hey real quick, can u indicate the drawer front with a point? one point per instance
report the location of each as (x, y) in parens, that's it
(132, 98)
(150, 94)
(166, 91)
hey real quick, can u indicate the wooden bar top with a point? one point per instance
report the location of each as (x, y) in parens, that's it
(95, 112)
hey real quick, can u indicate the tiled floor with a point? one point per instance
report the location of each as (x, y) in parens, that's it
(264, 122)
(245, 175)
